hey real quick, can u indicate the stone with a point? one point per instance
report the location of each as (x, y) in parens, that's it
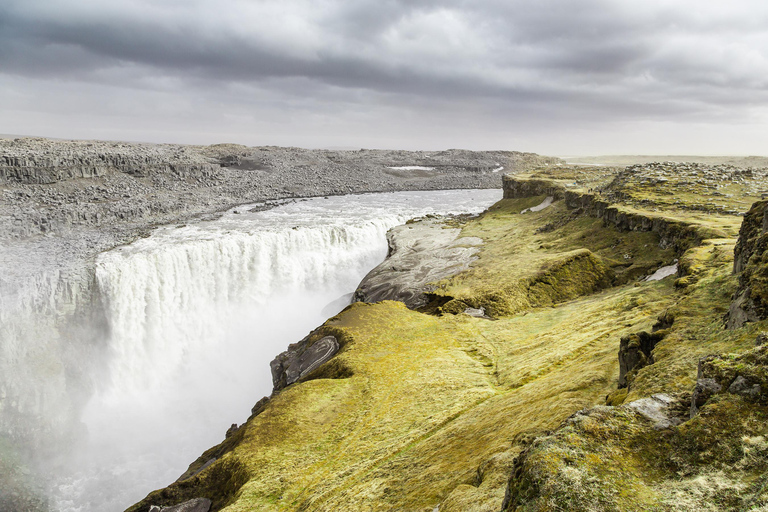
(475, 312)
(657, 409)
(300, 359)
(635, 352)
(193, 505)
(419, 254)
(741, 386)
(705, 388)
(741, 310)
(761, 339)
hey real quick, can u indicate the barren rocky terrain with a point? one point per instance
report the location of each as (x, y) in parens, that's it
(62, 201)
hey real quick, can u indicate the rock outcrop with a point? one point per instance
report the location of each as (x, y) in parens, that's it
(420, 255)
(301, 359)
(54, 186)
(635, 352)
(750, 303)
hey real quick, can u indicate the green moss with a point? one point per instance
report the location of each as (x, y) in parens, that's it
(419, 410)
(612, 459)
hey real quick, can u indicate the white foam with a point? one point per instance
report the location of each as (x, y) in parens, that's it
(195, 315)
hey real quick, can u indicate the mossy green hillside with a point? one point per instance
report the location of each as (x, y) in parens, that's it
(419, 410)
(542, 258)
(612, 459)
(430, 412)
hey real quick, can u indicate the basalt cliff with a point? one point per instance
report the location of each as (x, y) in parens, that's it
(594, 341)
(62, 203)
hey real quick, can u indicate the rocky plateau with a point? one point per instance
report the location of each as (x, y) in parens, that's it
(519, 360)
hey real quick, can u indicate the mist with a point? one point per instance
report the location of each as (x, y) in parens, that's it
(182, 327)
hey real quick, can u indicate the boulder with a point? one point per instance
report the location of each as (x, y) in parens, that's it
(420, 254)
(659, 409)
(194, 505)
(301, 359)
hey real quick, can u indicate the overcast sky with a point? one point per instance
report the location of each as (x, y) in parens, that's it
(557, 77)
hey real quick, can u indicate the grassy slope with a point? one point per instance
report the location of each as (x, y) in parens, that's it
(419, 410)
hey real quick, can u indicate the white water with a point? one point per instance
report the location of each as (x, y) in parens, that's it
(197, 312)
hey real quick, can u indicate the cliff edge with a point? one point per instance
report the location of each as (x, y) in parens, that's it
(595, 379)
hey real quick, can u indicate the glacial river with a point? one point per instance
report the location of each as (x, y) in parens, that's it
(196, 313)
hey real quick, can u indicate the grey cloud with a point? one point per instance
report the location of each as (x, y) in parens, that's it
(593, 59)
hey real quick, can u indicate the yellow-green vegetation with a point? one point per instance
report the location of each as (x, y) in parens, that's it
(611, 459)
(421, 409)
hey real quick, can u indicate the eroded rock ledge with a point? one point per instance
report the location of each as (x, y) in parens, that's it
(420, 254)
(676, 234)
(422, 411)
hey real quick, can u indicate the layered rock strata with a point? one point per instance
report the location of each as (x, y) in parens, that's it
(420, 255)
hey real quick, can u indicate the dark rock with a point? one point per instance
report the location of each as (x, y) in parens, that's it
(194, 505)
(664, 321)
(300, 359)
(705, 388)
(744, 375)
(750, 302)
(741, 386)
(259, 406)
(741, 310)
(761, 339)
(635, 352)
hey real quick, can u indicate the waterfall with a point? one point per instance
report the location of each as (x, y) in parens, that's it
(193, 316)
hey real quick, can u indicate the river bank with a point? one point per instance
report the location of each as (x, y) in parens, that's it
(66, 202)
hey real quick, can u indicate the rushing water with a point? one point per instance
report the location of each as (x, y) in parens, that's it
(195, 314)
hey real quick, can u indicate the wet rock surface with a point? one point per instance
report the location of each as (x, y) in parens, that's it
(301, 359)
(195, 505)
(420, 254)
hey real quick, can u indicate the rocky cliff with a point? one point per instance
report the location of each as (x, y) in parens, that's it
(750, 303)
(559, 371)
(54, 186)
(553, 368)
(63, 202)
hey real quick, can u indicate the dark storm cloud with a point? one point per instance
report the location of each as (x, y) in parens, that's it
(596, 58)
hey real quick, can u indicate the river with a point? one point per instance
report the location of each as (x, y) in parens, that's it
(195, 313)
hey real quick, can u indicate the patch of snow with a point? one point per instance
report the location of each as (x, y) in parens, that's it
(663, 272)
(594, 164)
(544, 204)
(501, 168)
(412, 168)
